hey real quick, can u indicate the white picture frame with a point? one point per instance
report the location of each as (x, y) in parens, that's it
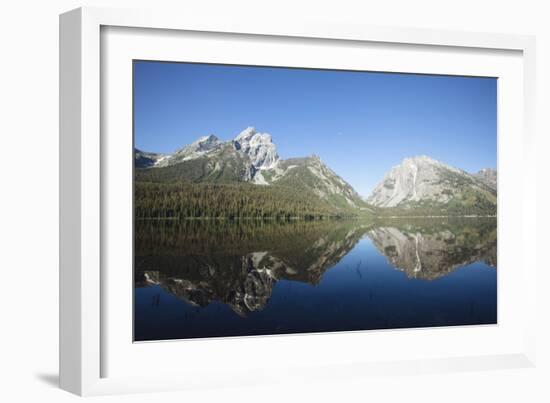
(86, 324)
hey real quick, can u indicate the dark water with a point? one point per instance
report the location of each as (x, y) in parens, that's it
(219, 278)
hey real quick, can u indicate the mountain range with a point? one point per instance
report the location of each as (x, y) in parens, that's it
(249, 168)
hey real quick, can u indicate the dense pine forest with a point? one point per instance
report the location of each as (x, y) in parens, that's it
(183, 200)
(230, 201)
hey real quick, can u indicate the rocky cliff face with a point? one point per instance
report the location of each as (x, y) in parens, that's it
(415, 179)
(422, 180)
(488, 176)
(259, 147)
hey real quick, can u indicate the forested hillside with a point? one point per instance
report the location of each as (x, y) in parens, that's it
(232, 201)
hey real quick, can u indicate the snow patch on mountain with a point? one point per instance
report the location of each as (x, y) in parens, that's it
(144, 159)
(259, 179)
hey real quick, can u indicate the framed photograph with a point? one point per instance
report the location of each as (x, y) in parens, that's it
(251, 233)
(232, 191)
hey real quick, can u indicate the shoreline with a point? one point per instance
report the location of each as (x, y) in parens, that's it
(302, 218)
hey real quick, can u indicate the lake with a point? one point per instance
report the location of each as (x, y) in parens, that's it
(212, 278)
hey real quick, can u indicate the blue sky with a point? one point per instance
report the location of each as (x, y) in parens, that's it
(359, 123)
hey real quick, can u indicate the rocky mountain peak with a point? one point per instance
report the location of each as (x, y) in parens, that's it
(420, 159)
(204, 143)
(246, 134)
(488, 176)
(424, 162)
(421, 179)
(259, 147)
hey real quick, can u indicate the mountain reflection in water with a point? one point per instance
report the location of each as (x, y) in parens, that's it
(207, 278)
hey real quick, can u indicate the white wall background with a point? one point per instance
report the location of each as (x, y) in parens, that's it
(29, 201)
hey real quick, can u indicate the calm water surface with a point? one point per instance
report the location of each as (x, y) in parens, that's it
(221, 278)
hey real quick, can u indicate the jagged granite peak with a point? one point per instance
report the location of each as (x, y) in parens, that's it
(488, 176)
(259, 147)
(203, 145)
(424, 179)
(255, 146)
(403, 182)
